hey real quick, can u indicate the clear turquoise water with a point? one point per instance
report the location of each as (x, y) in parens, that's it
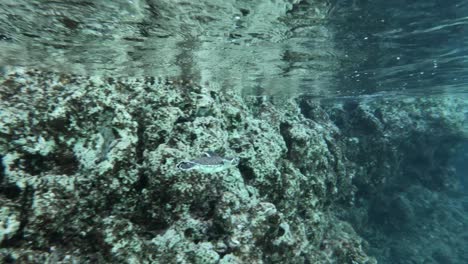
(320, 48)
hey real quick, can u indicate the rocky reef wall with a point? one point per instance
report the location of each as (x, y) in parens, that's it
(410, 204)
(88, 171)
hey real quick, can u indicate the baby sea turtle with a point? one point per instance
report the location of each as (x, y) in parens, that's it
(210, 162)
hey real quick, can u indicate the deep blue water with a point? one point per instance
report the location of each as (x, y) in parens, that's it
(420, 46)
(411, 48)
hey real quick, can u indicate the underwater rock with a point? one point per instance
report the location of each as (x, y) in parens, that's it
(94, 163)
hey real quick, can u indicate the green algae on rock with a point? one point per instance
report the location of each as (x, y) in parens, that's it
(88, 170)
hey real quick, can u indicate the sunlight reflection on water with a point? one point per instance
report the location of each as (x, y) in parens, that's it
(329, 49)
